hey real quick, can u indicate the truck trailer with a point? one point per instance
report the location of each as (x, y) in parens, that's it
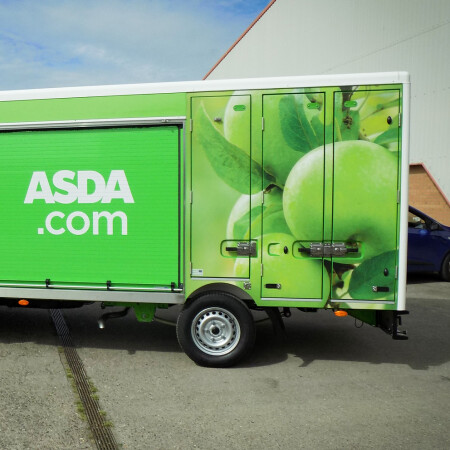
(222, 196)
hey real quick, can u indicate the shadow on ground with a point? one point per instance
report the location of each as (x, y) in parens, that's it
(423, 277)
(309, 336)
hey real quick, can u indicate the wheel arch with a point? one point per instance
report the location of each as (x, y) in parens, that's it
(445, 261)
(231, 289)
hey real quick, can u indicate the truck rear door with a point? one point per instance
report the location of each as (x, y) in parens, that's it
(366, 167)
(293, 126)
(220, 177)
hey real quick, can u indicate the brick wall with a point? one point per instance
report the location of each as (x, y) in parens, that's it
(425, 195)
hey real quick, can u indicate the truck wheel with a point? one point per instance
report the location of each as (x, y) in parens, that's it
(445, 270)
(216, 330)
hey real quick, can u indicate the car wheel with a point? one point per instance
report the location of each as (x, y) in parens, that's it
(216, 330)
(445, 269)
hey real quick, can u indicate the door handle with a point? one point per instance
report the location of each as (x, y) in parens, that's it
(272, 286)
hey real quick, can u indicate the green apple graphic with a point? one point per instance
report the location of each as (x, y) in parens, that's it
(279, 157)
(213, 107)
(235, 129)
(245, 208)
(229, 161)
(365, 180)
(370, 102)
(299, 278)
(289, 131)
(376, 123)
(374, 107)
(270, 214)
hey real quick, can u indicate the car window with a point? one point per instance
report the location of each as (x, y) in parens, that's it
(415, 221)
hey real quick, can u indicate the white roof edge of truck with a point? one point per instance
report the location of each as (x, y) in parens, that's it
(208, 85)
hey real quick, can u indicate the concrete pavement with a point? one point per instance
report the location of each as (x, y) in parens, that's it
(329, 385)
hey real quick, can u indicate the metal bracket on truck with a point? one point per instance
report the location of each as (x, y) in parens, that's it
(389, 322)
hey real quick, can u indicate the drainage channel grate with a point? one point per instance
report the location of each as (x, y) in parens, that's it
(102, 434)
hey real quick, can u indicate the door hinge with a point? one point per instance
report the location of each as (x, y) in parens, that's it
(262, 270)
(191, 125)
(262, 123)
(191, 198)
(398, 197)
(190, 267)
(396, 272)
(399, 119)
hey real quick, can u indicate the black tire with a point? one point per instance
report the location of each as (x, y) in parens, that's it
(216, 330)
(445, 269)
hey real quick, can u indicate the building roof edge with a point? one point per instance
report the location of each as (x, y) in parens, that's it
(240, 38)
(432, 180)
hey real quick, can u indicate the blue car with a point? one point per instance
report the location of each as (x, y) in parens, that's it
(428, 244)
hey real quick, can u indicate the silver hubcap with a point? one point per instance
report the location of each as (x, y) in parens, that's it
(215, 331)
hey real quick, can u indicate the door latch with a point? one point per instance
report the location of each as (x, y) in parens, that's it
(318, 249)
(243, 249)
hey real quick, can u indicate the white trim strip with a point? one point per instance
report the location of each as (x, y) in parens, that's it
(208, 85)
(404, 193)
(90, 287)
(219, 279)
(372, 302)
(271, 299)
(93, 295)
(92, 123)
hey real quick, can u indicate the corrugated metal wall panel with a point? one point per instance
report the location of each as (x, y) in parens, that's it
(299, 37)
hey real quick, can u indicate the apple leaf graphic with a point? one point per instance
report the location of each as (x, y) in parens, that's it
(372, 273)
(231, 163)
(295, 126)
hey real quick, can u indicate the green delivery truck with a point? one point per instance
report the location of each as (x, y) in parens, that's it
(223, 196)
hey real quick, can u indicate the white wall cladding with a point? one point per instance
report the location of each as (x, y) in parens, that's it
(305, 37)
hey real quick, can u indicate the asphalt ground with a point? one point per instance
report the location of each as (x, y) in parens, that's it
(328, 385)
